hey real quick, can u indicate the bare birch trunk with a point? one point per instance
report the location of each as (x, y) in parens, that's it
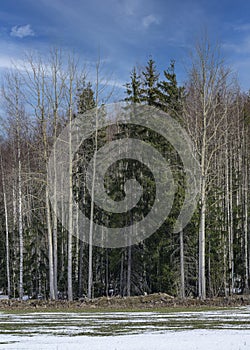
(182, 266)
(202, 242)
(122, 274)
(20, 221)
(70, 208)
(6, 231)
(90, 264)
(50, 245)
(202, 278)
(245, 209)
(129, 261)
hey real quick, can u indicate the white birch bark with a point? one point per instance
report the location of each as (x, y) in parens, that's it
(6, 230)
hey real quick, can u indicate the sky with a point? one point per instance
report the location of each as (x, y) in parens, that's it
(125, 33)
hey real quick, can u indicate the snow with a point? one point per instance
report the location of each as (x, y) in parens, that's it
(180, 340)
(206, 330)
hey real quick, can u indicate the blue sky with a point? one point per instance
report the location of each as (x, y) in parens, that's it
(127, 32)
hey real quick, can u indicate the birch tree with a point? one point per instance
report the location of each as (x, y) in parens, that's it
(35, 75)
(12, 95)
(55, 94)
(6, 214)
(205, 115)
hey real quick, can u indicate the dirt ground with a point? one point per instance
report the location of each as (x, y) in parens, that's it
(152, 301)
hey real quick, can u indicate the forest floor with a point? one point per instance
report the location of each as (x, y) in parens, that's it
(151, 302)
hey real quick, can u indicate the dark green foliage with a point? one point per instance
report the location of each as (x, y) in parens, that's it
(85, 98)
(134, 88)
(150, 80)
(170, 94)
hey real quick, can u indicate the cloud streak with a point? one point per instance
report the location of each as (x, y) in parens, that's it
(242, 27)
(241, 47)
(22, 31)
(147, 21)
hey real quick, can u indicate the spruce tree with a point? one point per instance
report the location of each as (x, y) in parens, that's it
(150, 80)
(85, 98)
(170, 94)
(134, 88)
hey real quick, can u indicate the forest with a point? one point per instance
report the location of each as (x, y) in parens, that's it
(42, 258)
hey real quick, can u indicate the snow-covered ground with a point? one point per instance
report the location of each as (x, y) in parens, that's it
(182, 340)
(222, 330)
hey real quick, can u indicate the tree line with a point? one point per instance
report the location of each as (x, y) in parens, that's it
(40, 257)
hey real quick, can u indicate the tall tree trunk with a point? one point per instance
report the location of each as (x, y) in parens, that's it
(20, 195)
(50, 245)
(245, 210)
(55, 233)
(202, 277)
(70, 208)
(122, 274)
(228, 217)
(80, 270)
(72, 69)
(182, 266)
(90, 265)
(6, 231)
(70, 218)
(129, 261)
(106, 272)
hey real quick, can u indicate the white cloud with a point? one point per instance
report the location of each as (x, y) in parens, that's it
(5, 62)
(148, 20)
(242, 47)
(242, 27)
(12, 62)
(129, 7)
(22, 31)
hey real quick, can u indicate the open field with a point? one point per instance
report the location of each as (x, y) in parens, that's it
(227, 329)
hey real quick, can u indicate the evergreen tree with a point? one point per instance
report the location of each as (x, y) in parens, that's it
(150, 80)
(85, 98)
(170, 94)
(134, 88)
